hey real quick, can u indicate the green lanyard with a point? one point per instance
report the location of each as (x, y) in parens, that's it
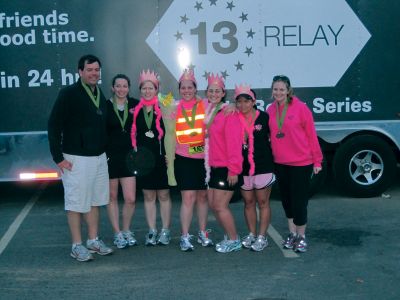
(122, 121)
(190, 122)
(280, 119)
(214, 113)
(96, 101)
(148, 117)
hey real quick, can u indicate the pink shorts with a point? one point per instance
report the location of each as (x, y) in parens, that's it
(258, 182)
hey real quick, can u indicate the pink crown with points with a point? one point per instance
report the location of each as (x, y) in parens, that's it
(188, 75)
(243, 89)
(148, 76)
(217, 80)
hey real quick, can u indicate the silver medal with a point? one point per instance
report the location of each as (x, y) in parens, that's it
(149, 134)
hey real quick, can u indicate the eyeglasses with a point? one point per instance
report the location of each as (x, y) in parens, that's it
(281, 78)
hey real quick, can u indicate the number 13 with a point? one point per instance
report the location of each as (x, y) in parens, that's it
(201, 32)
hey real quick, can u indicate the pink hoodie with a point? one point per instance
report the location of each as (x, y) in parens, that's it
(225, 143)
(299, 146)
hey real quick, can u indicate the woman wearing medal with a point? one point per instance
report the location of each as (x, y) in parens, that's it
(223, 161)
(119, 122)
(148, 133)
(297, 156)
(258, 168)
(189, 160)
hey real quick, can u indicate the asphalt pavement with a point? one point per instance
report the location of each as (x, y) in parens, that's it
(353, 254)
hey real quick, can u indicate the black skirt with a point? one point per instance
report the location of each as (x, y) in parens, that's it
(190, 173)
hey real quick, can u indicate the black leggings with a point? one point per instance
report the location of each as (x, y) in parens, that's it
(294, 185)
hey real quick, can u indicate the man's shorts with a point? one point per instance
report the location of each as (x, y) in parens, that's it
(258, 182)
(87, 183)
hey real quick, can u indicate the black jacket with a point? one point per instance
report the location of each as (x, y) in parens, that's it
(75, 125)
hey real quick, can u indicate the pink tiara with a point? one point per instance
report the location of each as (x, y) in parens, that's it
(188, 75)
(148, 76)
(217, 80)
(243, 89)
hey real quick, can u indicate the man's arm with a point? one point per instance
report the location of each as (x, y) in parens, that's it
(55, 128)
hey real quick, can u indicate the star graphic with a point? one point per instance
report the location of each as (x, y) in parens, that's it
(244, 17)
(213, 2)
(249, 51)
(178, 35)
(239, 66)
(224, 74)
(184, 19)
(230, 5)
(250, 33)
(198, 6)
(191, 66)
(206, 74)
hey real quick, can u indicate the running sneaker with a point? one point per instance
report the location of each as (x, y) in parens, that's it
(129, 237)
(151, 238)
(248, 240)
(120, 241)
(98, 246)
(185, 243)
(164, 237)
(260, 243)
(229, 246)
(203, 239)
(221, 242)
(300, 244)
(289, 242)
(81, 253)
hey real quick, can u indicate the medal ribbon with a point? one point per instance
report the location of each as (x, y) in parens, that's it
(148, 117)
(213, 114)
(281, 118)
(96, 101)
(122, 120)
(193, 117)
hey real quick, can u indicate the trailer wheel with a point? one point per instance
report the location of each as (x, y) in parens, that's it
(364, 166)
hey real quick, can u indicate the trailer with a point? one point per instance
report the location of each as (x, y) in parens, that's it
(341, 57)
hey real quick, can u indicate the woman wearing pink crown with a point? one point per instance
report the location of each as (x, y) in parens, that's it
(297, 156)
(148, 134)
(119, 122)
(223, 161)
(257, 168)
(189, 160)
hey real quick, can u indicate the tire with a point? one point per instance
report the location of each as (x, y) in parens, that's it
(364, 166)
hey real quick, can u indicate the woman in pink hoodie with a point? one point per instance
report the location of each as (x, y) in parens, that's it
(297, 156)
(223, 161)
